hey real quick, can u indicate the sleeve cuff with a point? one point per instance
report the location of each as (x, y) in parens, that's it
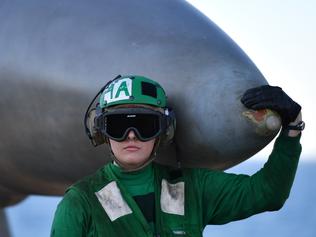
(287, 143)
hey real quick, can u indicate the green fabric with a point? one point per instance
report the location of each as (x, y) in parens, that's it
(139, 182)
(211, 197)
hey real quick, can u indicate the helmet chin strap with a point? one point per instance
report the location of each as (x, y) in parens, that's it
(152, 157)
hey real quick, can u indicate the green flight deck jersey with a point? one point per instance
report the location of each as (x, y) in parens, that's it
(186, 200)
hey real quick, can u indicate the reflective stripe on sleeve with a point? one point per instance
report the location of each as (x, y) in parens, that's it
(172, 197)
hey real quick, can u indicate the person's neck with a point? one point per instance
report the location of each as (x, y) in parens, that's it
(122, 172)
(136, 182)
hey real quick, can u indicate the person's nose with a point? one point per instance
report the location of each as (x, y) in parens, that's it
(131, 135)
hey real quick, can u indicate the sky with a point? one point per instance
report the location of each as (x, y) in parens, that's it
(279, 37)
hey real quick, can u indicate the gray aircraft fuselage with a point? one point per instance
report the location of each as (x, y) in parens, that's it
(55, 55)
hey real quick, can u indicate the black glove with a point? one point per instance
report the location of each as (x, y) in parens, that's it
(274, 98)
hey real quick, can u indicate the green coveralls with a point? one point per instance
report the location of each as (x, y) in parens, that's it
(100, 206)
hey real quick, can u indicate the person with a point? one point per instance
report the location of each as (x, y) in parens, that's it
(134, 196)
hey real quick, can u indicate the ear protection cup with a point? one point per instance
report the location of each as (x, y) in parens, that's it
(92, 131)
(168, 136)
(95, 135)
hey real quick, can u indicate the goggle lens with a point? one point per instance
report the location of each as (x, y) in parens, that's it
(146, 126)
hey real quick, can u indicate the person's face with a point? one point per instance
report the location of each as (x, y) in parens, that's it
(132, 153)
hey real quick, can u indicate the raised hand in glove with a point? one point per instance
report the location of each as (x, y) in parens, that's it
(274, 98)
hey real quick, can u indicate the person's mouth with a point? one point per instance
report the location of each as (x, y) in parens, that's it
(131, 148)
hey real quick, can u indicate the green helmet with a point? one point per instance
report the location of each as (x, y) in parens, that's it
(133, 90)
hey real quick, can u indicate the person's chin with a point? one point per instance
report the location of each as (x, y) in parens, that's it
(135, 163)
